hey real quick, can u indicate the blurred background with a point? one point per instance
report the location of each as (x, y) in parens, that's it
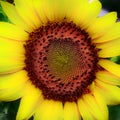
(8, 110)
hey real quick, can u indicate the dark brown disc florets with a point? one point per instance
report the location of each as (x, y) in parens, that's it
(60, 60)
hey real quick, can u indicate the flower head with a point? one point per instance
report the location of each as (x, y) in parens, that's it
(54, 56)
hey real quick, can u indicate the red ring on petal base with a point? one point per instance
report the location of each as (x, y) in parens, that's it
(61, 61)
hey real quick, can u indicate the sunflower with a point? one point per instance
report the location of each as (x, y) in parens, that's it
(54, 56)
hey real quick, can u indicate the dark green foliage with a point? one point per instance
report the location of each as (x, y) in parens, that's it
(112, 5)
(114, 112)
(8, 110)
(3, 17)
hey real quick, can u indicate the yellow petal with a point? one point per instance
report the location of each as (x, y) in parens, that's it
(38, 5)
(108, 78)
(12, 80)
(12, 93)
(49, 109)
(110, 51)
(71, 111)
(55, 10)
(74, 8)
(85, 12)
(27, 12)
(10, 65)
(50, 9)
(11, 48)
(83, 108)
(112, 34)
(12, 14)
(11, 55)
(110, 93)
(93, 107)
(60, 8)
(101, 103)
(110, 66)
(31, 99)
(108, 44)
(13, 32)
(102, 25)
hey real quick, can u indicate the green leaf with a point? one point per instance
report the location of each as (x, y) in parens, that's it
(3, 16)
(114, 112)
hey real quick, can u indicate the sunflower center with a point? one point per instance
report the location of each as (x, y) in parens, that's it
(61, 61)
(64, 59)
